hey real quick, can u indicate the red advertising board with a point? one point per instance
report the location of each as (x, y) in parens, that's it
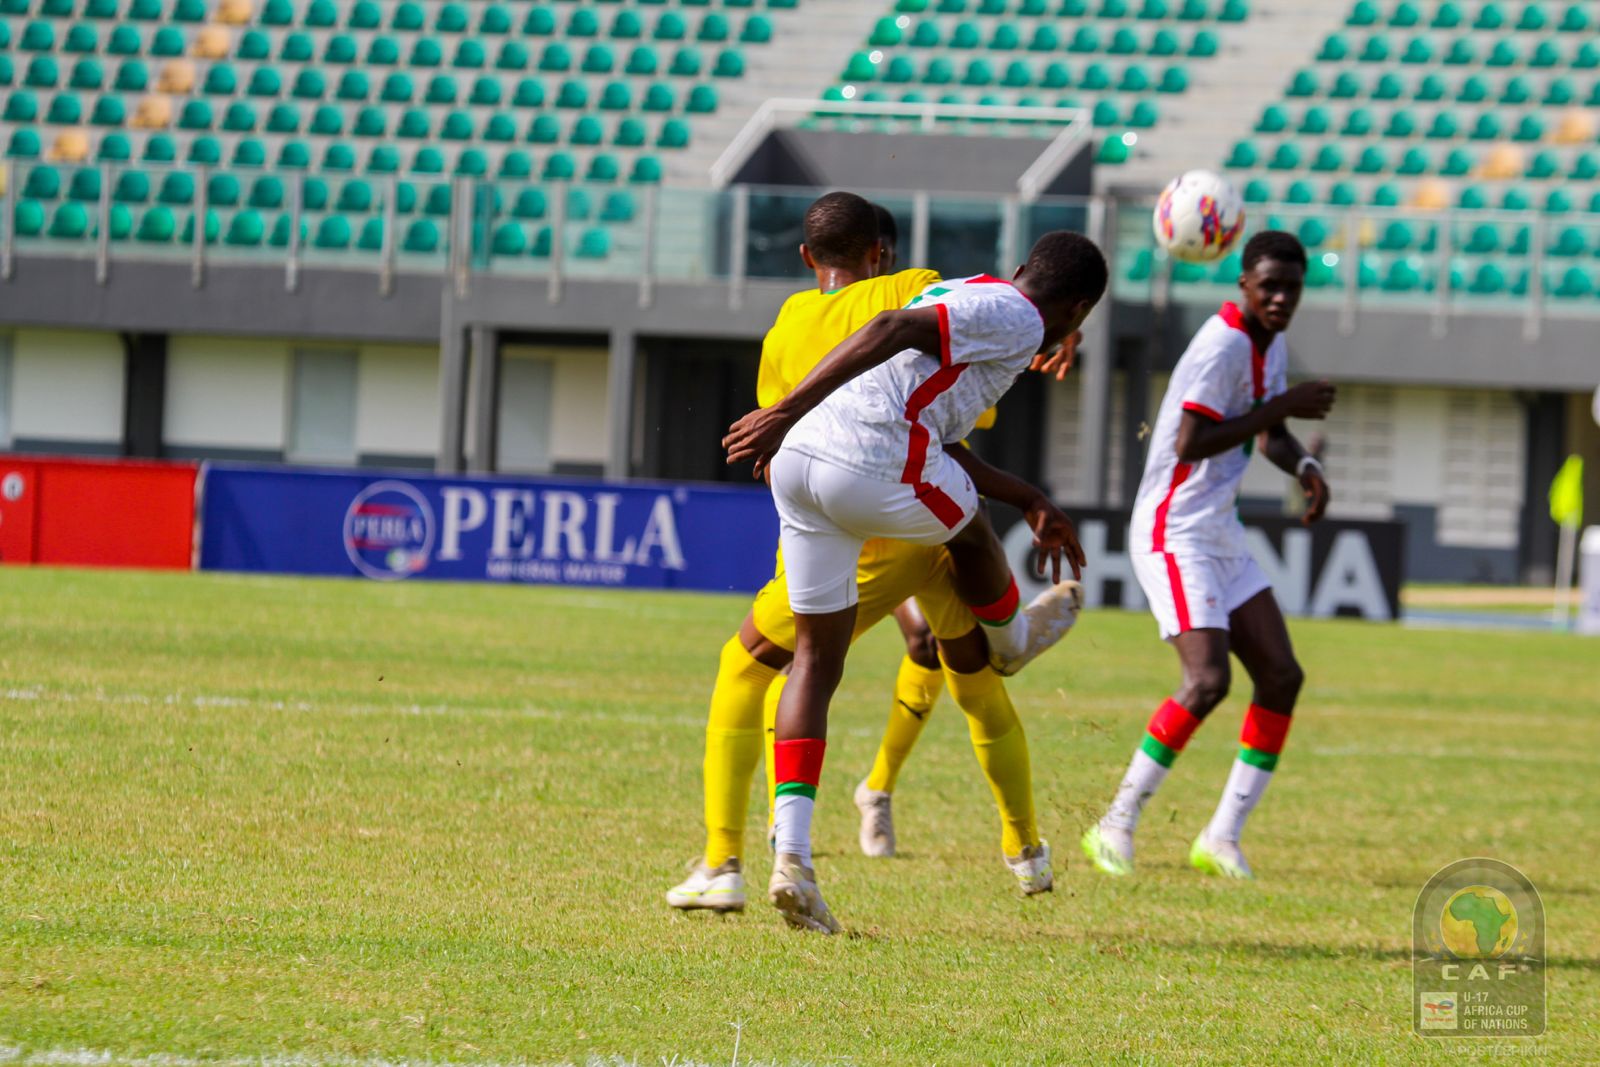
(100, 513)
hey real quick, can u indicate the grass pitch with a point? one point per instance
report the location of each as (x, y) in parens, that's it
(246, 818)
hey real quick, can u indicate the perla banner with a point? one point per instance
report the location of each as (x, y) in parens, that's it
(1331, 568)
(393, 527)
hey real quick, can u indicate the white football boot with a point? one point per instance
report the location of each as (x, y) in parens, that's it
(793, 891)
(711, 889)
(1050, 615)
(1032, 869)
(1211, 856)
(1110, 849)
(877, 821)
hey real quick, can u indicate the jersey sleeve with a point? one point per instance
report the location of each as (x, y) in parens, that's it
(995, 326)
(907, 284)
(1212, 382)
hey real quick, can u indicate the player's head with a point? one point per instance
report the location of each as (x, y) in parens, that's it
(841, 233)
(888, 240)
(1065, 276)
(1273, 275)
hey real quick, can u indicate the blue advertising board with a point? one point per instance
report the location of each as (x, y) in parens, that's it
(395, 526)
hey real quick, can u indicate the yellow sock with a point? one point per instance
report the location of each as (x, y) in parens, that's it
(916, 690)
(769, 723)
(1002, 751)
(733, 745)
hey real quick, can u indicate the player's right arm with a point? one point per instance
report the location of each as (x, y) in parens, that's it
(758, 435)
(1202, 435)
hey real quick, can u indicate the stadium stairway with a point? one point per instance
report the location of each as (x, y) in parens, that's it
(1258, 57)
(813, 36)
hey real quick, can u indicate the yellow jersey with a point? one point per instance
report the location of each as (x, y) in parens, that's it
(810, 324)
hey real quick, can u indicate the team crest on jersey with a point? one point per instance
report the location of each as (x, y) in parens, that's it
(388, 531)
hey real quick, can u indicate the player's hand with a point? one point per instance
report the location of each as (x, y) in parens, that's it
(1061, 360)
(1317, 495)
(757, 437)
(1054, 536)
(1310, 400)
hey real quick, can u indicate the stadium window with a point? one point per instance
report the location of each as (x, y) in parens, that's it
(322, 410)
(523, 436)
(5, 390)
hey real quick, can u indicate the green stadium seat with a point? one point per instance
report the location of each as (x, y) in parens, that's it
(339, 157)
(65, 110)
(1415, 161)
(327, 121)
(132, 77)
(1389, 86)
(1542, 166)
(114, 148)
(283, 118)
(555, 57)
(659, 97)
(1044, 39)
(1358, 122)
(1135, 79)
(545, 129)
(1314, 121)
(630, 133)
(674, 134)
(442, 89)
(1559, 202)
(245, 230)
(495, 20)
(1244, 155)
(530, 204)
(309, 84)
(516, 164)
(205, 151)
(583, 23)
(1587, 57)
(42, 73)
(979, 72)
(249, 152)
(573, 94)
(279, 237)
(529, 93)
(294, 155)
(239, 118)
(156, 226)
(1473, 198)
(81, 40)
(702, 100)
(670, 27)
(646, 171)
(685, 63)
(1444, 126)
(422, 237)
(1529, 128)
(540, 22)
(1575, 19)
(587, 131)
(1164, 43)
(1503, 54)
(1487, 128)
(24, 145)
(499, 129)
(414, 125)
(1329, 158)
(160, 148)
(408, 17)
(85, 185)
(109, 111)
(1401, 124)
(1335, 49)
(1462, 52)
(119, 223)
(560, 166)
(594, 244)
(1430, 88)
(1304, 83)
(426, 53)
(314, 194)
(384, 159)
(1490, 17)
(28, 218)
(177, 187)
(1347, 86)
(333, 233)
(603, 168)
(100, 9)
(222, 190)
(1585, 167)
(509, 240)
(713, 29)
(267, 192)
(1373, 160)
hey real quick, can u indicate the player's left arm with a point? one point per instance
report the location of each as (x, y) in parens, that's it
(1049, 524)
(758, 435)
(1290, 456)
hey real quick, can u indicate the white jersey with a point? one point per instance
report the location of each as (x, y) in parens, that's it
(893, 421)
(1190, 508)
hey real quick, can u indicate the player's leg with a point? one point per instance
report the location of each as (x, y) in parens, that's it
(983, 579)
(1261, 641)
(748, 664)
(1001, 747)
(1187, 599)
(916, 690)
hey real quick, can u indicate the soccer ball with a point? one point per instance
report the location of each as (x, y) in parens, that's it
(1198, 217)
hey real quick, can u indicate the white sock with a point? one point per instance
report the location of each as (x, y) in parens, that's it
(1144, 777)
(792, 823)
(1246, 783)
(1008, 640)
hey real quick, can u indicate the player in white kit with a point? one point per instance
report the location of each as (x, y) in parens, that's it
(1228, 393)
(870, 447)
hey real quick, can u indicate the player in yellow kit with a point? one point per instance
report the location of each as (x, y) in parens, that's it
(850, 291)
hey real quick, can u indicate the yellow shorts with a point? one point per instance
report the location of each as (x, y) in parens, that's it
(888, 574)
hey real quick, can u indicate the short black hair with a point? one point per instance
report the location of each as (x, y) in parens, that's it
(888, 228)
(1067, 266)
(1274, 244)
(840, 229)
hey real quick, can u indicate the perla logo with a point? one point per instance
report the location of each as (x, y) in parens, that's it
(388, 531)
(557, 535)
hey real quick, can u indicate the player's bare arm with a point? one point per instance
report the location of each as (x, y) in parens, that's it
(1054, 535)
(758, 435)
(1290, 456)
(1201, 438)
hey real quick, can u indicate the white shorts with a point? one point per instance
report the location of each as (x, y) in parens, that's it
(827, 513)
(1196, 592)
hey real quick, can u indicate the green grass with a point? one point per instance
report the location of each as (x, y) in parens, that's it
(248, 817)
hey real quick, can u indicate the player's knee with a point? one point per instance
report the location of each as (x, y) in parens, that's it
(1279, 686)
(923, 650)
(1208, 686)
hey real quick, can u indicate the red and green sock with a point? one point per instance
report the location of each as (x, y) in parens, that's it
(1260, 742)
(798, 764)
(1004, 623)
(1166, 735)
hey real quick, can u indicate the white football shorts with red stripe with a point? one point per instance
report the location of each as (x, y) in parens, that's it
(1192, 592)
(826, 513)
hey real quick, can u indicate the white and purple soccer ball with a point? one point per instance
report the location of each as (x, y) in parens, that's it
(1199, 217)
